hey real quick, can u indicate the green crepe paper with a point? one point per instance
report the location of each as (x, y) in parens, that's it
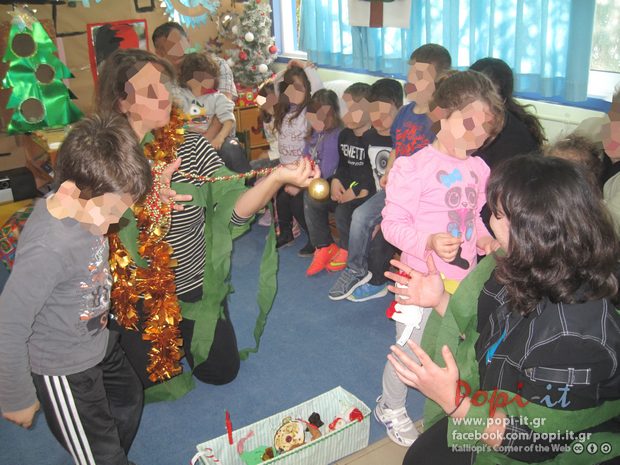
(219, 198)
(461, 318)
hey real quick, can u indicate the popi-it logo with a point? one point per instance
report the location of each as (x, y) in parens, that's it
(495, 400)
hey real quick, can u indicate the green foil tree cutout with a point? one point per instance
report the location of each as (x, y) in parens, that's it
(39, 97)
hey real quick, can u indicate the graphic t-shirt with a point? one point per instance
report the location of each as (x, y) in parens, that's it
(410, 132)
(379, 148)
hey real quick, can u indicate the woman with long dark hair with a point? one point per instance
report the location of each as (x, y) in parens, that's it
(521, 363)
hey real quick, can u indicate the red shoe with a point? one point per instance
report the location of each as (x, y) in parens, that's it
(338, 261)
(321, 259)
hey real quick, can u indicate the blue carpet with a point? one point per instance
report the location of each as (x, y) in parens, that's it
(310, 345)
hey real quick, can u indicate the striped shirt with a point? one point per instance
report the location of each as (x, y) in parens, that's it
(186, 235)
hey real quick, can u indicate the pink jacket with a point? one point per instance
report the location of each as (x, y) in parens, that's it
(429, 193)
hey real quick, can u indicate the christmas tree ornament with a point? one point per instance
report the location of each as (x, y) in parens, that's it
(243, 56)
(35, 76)
(226, 21)
(249, 37)
(273, 49)
(318, 189)
(263, 68)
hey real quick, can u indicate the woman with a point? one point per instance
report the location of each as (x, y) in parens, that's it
(193, 273)
(534, 333)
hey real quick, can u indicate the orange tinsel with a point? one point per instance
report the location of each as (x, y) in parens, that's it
(154, 283)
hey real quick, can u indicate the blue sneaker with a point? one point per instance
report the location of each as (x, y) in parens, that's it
(368, 291)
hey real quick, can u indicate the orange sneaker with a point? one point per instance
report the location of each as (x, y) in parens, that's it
(338, 261)
(321, 259)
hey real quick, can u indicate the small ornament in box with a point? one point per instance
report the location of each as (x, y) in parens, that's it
(247, 96)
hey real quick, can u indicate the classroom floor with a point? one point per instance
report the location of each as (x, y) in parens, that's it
(384, 452)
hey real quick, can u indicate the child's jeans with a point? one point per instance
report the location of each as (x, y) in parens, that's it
(94, 414)
(363, 222)
(317, 220)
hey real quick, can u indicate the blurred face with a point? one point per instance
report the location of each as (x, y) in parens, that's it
(296, 92)
(501, 228)
(382, 115)
(267, 103)
(172, 48)
(357, 113)
(320, 119)
(611, 133)
(466, 130)
(104, 210)
(420, 83)
(95, 215)
(148, 102)
(201, 83)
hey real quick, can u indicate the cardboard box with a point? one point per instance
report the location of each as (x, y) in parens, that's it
(330, 447)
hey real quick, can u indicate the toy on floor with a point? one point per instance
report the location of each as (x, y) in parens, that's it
(348, 416)
(290, 435)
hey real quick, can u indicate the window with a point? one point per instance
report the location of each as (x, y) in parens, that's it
(286, 20)
(605, 60)
(604, 72)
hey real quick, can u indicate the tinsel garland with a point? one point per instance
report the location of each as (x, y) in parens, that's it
(155, 282)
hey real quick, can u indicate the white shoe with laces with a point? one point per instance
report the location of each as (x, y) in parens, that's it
(398, 425)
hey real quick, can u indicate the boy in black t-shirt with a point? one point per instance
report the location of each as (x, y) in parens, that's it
(351, 185)
(369, 253)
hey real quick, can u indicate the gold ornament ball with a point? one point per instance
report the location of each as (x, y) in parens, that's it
(318, 189)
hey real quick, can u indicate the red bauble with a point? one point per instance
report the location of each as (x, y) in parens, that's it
(273, 49)
(243, 56)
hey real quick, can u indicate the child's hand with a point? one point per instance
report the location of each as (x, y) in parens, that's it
(23, 417)
(297, 174)
(336, 190)
(347, 196)
(444, 245)
(383, 181)
(217, 142)
(488, 244)
(168, 195)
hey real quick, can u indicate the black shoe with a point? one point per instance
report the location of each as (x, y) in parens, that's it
(307, 250)
(284, 239)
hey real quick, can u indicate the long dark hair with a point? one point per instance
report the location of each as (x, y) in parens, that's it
(562, 243)
(326, 97)
(500, 73)
(283, 106)
(118, 69)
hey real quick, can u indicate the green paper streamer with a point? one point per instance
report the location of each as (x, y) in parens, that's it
(219, 234)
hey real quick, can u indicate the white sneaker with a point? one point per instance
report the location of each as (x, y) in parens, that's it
(398, 425)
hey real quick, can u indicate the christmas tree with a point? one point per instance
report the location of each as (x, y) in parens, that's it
(39, 97)
(253, 45)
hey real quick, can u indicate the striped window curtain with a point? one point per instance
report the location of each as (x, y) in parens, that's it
(546, 42)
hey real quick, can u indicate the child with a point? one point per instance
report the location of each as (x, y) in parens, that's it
(410, 131)
(294, 90)
(211, 112)
(266, 101)
(386, 97)
(323, 115)
(433, 203)
(611, 144)
(582, 151)
(54, 343)
(351, 185)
